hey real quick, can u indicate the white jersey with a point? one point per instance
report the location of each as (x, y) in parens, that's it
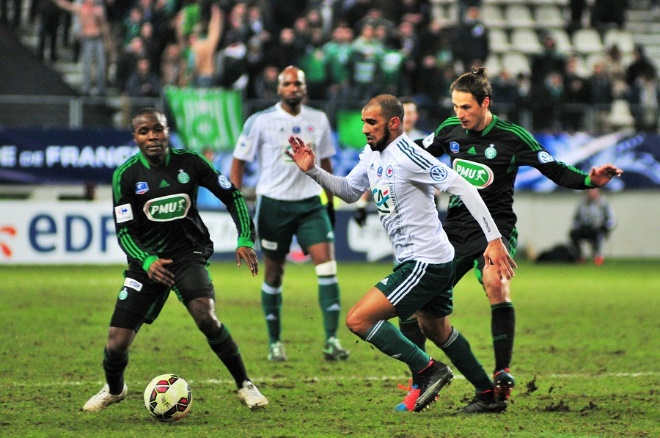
(402, 179)
(265, 137)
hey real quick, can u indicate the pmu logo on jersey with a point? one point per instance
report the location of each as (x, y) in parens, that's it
(167, 208)
(477, 174)
(141, 188)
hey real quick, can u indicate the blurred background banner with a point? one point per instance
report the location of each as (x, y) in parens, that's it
(636, 153)
(63, 156)
(206, 117)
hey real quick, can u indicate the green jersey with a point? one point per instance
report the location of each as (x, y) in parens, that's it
(156, 212)
(490, 160)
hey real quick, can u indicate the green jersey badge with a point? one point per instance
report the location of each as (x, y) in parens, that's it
(183, 177)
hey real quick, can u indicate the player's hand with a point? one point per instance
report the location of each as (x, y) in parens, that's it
(330, 207)
(603, 174)
(360, 216)
(160, 274)
(497, 256)
(301, 154)
(250, 256)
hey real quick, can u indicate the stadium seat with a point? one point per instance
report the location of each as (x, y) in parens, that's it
(493, 65)
(562, 40)
(519, 15)
(526, 40)
(516, 62)
(492, 16)
(549, 16)
(499, 41)
(587, 41)
(622, 38)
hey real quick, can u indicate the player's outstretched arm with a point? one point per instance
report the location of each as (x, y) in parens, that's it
(301, 154)
(250, 256)
(498, 257)
(603, 174)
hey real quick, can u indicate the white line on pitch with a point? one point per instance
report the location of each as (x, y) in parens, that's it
(342, 378)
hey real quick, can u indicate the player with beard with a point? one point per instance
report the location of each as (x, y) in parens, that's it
(168, 248)
(488, 151)
(402, 178)
(289, 204)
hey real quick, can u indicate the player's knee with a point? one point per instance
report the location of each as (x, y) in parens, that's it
(327, 269)
(354, 322)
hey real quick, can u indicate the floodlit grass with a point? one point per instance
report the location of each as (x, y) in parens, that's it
(586, 358)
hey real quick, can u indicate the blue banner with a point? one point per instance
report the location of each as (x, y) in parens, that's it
(74, 156)
(62, 156)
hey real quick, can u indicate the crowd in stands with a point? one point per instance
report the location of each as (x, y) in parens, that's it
(350, 51)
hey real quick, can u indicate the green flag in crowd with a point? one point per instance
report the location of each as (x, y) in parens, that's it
(206, 117)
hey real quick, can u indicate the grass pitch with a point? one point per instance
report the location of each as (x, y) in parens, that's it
(586, 358)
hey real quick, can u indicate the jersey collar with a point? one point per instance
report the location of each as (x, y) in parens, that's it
(147, 164)
(486, 130)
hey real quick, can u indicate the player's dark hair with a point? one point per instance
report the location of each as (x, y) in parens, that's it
(390, 106)
(474, 82)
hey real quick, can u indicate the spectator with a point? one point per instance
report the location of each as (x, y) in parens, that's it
(640, 65)
(312, 63)
(171, 65)
(614, 65)
(127, 62)
(471, 43)
(364, 65)
(93, 30)
(231, 63)
(577, 8)
(505, 87)
(143, 82)
(281, 53)
(203, 44)
(49, 23)
(644, 99)
(337, 54)
(548, 101)
(131, 24)
(600, 89)
(575, 97)
(548, 61)
(592, 222)
(267, 82)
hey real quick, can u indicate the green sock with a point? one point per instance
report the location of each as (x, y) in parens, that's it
(225, 348)
(458, 350)
(271, 303)
(410, 329)
(503, 328)
(114, 371)
(388, 339)
(330, 304)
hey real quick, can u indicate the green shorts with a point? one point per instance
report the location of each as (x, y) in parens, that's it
(417, 286)
(476, 260)
(140, 299)
(278, 221)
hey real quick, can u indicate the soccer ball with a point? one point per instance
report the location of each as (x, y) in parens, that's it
(168, 398)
